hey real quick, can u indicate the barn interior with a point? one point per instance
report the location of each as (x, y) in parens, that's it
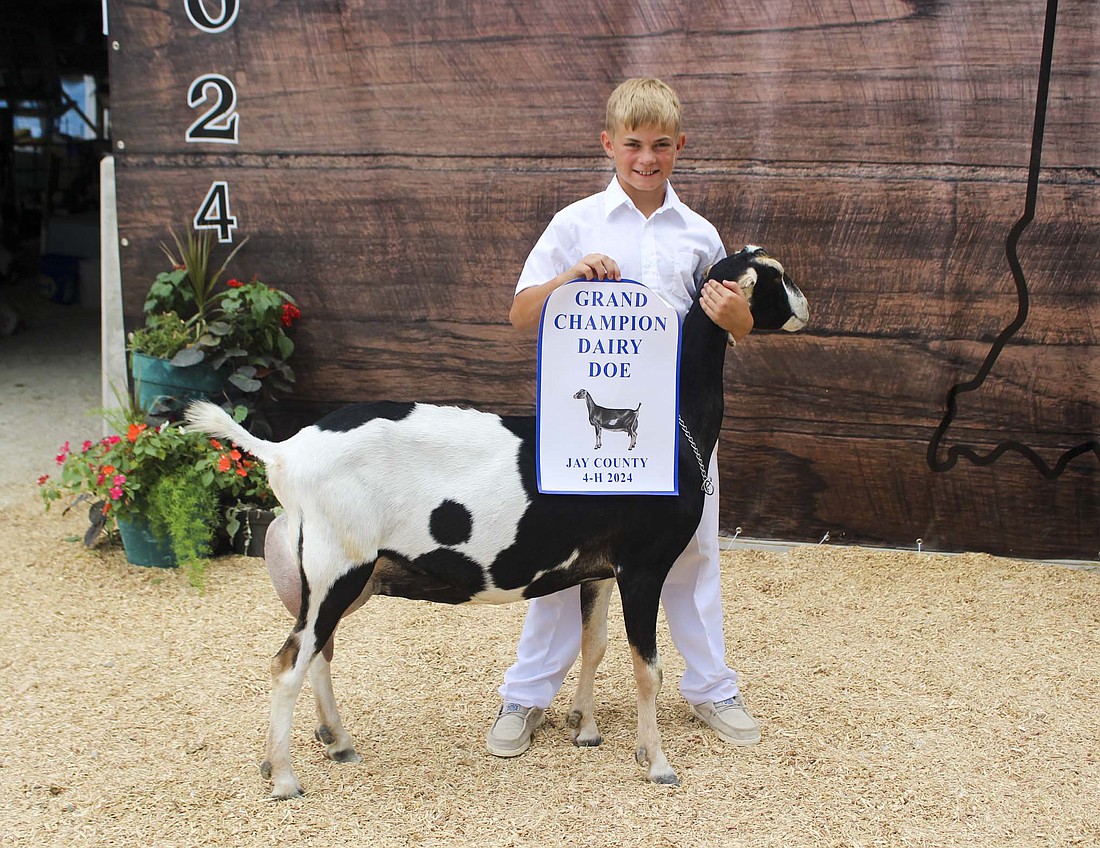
(54, 130)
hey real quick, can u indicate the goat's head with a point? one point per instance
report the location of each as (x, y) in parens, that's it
(776, 302)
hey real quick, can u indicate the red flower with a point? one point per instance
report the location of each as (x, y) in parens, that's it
(234, 284)
(42, 480)
(290, 314)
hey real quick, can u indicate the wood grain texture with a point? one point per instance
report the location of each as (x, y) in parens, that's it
(910, 82)
(397, 162)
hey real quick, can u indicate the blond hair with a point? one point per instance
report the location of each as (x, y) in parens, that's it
(643, 102)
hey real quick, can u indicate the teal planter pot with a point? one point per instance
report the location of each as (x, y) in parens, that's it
(144, 548)
(157, 382)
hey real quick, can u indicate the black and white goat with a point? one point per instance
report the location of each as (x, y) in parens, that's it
(441, 504)
(601, 418)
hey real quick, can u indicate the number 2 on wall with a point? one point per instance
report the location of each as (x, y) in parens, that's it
(219, 122)
(214, 212)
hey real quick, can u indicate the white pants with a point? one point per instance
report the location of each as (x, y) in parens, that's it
(692, 600)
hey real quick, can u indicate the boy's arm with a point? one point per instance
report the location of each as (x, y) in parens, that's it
(527, 306)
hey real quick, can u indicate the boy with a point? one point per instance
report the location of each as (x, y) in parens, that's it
(638, 228)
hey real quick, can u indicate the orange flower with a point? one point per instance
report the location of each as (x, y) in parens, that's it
(235, 455)
(135, 431)
(217, 445)
(223, 463)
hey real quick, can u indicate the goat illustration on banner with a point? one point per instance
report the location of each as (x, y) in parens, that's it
(615, 346)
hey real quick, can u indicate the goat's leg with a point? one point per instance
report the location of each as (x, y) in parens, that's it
(315, 627)
(633, 436)
(281, 558)
(641, 597)
(288, 671)
(582, 718)
(647, 675)
(339, 746)
(596, 427)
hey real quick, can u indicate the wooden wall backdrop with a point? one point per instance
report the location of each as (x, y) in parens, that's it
(395, 162)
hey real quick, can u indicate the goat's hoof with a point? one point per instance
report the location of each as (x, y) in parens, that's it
(294, 790)
(665, 778)
(582, 741)
(324, 735)
(348, 755)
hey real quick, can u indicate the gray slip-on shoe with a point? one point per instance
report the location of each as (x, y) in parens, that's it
(511, 733)
(730, 719)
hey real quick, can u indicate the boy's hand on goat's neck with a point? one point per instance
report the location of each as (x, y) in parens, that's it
(726, 305)
(527, 305)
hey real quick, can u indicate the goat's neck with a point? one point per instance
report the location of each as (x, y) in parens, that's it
(702, 360)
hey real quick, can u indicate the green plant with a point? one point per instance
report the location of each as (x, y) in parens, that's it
(118, 470)
(240, 330)
(168, 294)
(185, 511)
(179, 480)
(164, 335)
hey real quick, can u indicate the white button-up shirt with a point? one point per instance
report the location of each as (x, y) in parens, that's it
(667, 252)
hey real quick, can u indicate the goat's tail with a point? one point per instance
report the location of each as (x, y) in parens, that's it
(215, 421)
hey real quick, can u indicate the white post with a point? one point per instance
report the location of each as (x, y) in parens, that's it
(115, 388)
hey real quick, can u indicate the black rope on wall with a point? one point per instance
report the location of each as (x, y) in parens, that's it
(956, 452)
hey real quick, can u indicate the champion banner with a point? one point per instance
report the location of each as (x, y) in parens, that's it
(608, 373)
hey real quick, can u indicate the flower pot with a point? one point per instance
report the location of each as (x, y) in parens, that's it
(142, 547)
(157, 382)
(249, 539)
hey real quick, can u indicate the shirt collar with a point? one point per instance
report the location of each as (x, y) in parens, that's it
(615, 196)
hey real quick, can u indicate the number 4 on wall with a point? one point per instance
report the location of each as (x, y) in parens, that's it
(214, 212)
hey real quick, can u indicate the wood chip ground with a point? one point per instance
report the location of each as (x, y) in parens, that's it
(906, 699)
